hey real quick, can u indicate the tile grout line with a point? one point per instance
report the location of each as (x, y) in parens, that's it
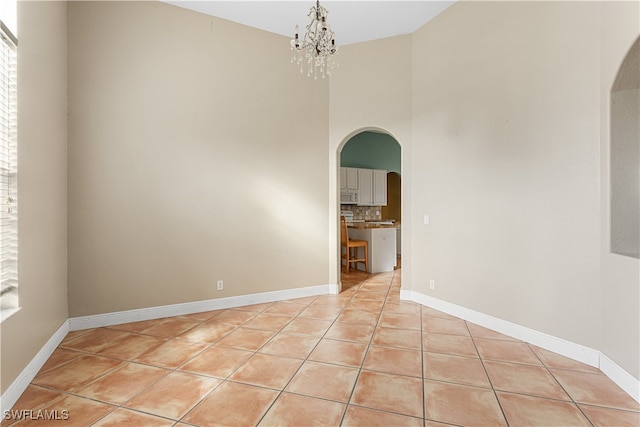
(386, 299)
(177, 368)
(493, 389)
(255, 352)
(349, 300)
(169, 370)
(306, 359)
(121, 405)
(115, 406)
(560, 384)
(364, 357)
(424, 395)
(225, 379)
(542, 365)
(238, 326)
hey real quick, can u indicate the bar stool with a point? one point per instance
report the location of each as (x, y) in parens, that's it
(351, 244)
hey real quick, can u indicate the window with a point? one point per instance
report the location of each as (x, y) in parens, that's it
(8, 170)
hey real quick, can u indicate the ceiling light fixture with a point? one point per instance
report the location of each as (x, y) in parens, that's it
(318, 46)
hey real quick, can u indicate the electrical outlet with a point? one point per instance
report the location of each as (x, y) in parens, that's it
(432, 284)
(426, 220)
(220, 285)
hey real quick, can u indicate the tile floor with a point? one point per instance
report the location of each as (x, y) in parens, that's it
(361, 358)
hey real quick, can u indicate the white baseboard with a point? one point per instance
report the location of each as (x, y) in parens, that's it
(548, 342)
(20, 384)
(557, 345)
(620, 376)
(118, 317)
(566, 348)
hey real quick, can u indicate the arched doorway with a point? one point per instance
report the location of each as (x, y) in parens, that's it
(377, 154)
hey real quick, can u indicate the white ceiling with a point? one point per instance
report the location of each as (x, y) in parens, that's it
(352, 21)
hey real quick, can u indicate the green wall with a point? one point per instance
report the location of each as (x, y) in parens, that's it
(372, 151)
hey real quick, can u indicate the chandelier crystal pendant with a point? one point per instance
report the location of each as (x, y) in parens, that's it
(316, 49)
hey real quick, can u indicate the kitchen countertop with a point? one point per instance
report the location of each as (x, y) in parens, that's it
(371, 224)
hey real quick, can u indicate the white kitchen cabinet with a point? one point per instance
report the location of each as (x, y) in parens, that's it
(365, 187)
(372, 187)
(348, 178)
(379, 187)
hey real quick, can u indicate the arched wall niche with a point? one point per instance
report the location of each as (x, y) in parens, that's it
(625, 156)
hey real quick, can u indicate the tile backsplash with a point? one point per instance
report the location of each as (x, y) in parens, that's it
(367, 213)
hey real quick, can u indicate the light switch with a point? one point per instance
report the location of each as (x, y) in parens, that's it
(426, 219)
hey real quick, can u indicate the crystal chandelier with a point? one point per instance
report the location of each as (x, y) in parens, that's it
(318, 46)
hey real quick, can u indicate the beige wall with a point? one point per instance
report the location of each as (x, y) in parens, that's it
(506, 163)
(42, 183)
(510, 143)
(620, 292)
(197, 152)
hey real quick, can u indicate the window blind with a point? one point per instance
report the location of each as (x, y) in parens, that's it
(8, 170)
